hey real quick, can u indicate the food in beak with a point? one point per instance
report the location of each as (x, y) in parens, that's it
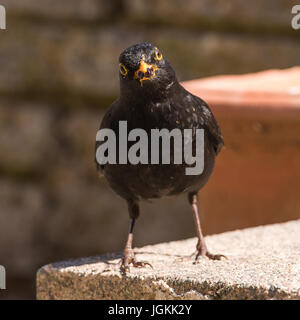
(145, 71)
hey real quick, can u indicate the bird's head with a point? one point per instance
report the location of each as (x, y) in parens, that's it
(143, 68)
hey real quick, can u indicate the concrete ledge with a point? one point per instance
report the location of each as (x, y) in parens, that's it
(263, 263)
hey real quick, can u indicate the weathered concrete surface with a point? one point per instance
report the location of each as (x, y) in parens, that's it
(263, 263)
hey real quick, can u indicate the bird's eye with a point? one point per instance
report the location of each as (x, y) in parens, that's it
(157, 55)
(123, 70)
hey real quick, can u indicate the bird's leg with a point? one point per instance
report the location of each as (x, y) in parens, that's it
(201, 248)
(129, 257)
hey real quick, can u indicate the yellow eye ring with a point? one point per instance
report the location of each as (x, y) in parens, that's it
(157, 55)
(123, 70)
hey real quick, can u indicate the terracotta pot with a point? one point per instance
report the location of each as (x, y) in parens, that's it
(257, 176)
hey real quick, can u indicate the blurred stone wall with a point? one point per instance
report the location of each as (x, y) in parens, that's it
(58, 74)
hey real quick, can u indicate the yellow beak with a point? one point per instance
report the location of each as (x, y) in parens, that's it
(145, 71)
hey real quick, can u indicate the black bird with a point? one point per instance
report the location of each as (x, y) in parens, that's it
(152, 98)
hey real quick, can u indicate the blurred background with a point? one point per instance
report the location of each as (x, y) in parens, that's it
(58, 75)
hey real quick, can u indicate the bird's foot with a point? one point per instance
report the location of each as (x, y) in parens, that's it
(129, 259)
(203, 252)
(209, 256)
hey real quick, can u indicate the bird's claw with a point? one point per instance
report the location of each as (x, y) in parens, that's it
(209, 255)
(142, 264)
(215, 256)
(126, 261)
(201, 253)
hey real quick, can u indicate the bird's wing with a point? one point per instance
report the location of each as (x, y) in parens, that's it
(209, 123)
(106, 123)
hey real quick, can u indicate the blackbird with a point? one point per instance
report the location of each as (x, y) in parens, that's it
(152, 98)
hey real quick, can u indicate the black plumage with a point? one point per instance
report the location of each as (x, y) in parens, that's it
(152, 98)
